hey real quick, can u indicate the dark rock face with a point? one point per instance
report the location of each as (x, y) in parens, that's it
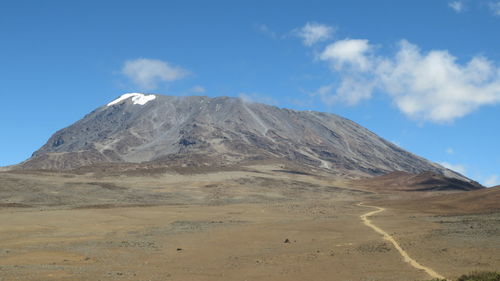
(222, 131)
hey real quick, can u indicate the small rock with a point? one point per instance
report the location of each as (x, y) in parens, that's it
(287, 241)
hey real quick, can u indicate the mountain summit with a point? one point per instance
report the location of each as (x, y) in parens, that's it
(198, 131)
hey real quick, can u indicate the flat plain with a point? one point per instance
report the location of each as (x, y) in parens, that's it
(260, 222)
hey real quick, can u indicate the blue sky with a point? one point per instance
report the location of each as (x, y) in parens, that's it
(423, 74)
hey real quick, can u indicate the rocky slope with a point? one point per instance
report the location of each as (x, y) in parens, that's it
(195, 130)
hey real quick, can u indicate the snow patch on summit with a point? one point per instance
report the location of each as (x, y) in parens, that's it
(137, 98)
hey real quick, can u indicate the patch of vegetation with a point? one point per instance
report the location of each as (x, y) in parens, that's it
(477, 276)
(480, 276)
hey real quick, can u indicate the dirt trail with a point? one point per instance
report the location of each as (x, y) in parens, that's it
(388, 237)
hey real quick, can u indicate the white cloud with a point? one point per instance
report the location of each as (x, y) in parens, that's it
(450, 151)
(495, 8)
(492, 181)
(435, 87)
(148, 73)
(455, 167)
(312, 33)
(198, 89)
(353, 53)
(457, 6)
(352, 59)
(429, 86)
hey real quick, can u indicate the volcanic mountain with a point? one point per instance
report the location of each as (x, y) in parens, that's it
(203, 131)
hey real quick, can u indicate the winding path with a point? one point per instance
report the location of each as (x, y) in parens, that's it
(391, 239)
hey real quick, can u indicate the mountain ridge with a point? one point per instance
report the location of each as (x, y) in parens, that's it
(425, 181)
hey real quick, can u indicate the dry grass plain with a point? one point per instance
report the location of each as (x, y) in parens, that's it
(258, 223)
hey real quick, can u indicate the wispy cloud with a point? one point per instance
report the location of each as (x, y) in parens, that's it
(455, 167)
(148, 73)
(312, 33)
(495, 8)
(457, 6)
(325, 93)
(450, 151)
(396, 143)
(430, 86)
(255, 97)
(198, 89)
(492, 181)
(264, 29)
(305, 101)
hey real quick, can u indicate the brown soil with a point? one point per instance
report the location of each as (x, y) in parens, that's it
(485, 200)
(232, 225)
